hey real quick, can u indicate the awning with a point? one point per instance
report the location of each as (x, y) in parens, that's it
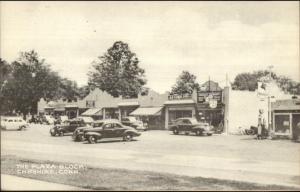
(131, 103)
(48, 107)
(180, 101)
(147, 111)
(93, 111)
(71, 106)
(59, 109)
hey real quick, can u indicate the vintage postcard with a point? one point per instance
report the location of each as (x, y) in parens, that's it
(131, 96)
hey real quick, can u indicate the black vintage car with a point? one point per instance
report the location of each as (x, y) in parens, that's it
(190, 125)
(110, 130)
(78, 133)
(67, 126)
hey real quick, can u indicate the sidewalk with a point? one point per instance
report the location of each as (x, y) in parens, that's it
(9, 183)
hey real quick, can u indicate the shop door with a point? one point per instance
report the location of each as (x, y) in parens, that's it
(295, 121)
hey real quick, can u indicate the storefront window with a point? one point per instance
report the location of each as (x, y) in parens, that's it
(179, 114)
(282, 123)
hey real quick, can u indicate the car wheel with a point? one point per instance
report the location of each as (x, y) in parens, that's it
(80, 138)
(198, 132)
(92, 139)
(175, 131)
(61, 133)
(209, 134)
(21, 128)
(127, 137)
(52, 132)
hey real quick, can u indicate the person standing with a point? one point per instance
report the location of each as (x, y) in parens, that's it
(261, 124)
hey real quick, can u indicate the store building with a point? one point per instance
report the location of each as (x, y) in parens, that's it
(285, 118)
(205, 105)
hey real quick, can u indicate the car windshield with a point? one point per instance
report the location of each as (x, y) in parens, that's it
(194, 121)
(97, 124)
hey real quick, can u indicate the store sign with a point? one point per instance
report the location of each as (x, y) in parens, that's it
(179, 96)
(213, 103)
(205, 97)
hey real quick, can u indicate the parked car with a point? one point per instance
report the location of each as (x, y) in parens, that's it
(133, 122)
(190, 125)
(67, 126)
(87, 120)
(48, 119)
(13, 123)
(110, 130)
(78, 133)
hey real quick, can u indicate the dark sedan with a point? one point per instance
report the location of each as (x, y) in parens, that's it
(110, 130)
(78, 133)
(190, 125)
(67, 126)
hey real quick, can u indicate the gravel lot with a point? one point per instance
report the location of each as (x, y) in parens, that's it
(218, 156)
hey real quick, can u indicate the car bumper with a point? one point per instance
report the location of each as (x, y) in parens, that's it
(208, 132)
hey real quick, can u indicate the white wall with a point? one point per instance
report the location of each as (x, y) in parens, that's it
(243, 110)
(243, 107)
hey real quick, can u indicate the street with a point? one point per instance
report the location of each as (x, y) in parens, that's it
(240, 158)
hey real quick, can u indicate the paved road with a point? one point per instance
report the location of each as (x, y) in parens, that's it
(226, 157)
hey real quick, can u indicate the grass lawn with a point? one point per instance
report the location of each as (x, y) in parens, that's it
(121, 179)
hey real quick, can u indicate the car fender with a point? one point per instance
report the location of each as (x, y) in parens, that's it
(173, 127)
(198, 128)
(133, 133)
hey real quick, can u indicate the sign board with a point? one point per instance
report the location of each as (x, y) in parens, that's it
(204, 97)
(213, 103)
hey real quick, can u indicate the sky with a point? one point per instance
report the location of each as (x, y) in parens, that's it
(208, 39)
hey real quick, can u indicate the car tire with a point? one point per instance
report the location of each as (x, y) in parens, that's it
(80, 138)
(198, 132)
(92, 139)
(22, 128)
(52, 133)
(127, 137)
(61, 133)
(175, 131)
(209, 134)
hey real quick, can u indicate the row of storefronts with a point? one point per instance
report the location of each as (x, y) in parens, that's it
(158, 110)
(225, 109)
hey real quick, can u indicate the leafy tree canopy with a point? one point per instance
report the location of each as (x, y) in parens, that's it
(248, 81)
(117, 72)
(185, 83)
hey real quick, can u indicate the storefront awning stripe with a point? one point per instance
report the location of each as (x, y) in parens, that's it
(147, 111)
(94, 111)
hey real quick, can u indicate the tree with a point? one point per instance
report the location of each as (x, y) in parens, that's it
(117, 72)
(245, 81)
(185, 83)
(31, 80)
(248, 81)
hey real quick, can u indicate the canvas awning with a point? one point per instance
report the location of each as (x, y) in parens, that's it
(180, 101)
(130, 103)
(93, 111)
(71, 106)
(147, 111)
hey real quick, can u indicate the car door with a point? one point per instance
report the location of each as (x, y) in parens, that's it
(10, 124)
(72, 126)
(184, 125)
(118, 130)
(108, 130)
(179, 124)
(187, 125)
